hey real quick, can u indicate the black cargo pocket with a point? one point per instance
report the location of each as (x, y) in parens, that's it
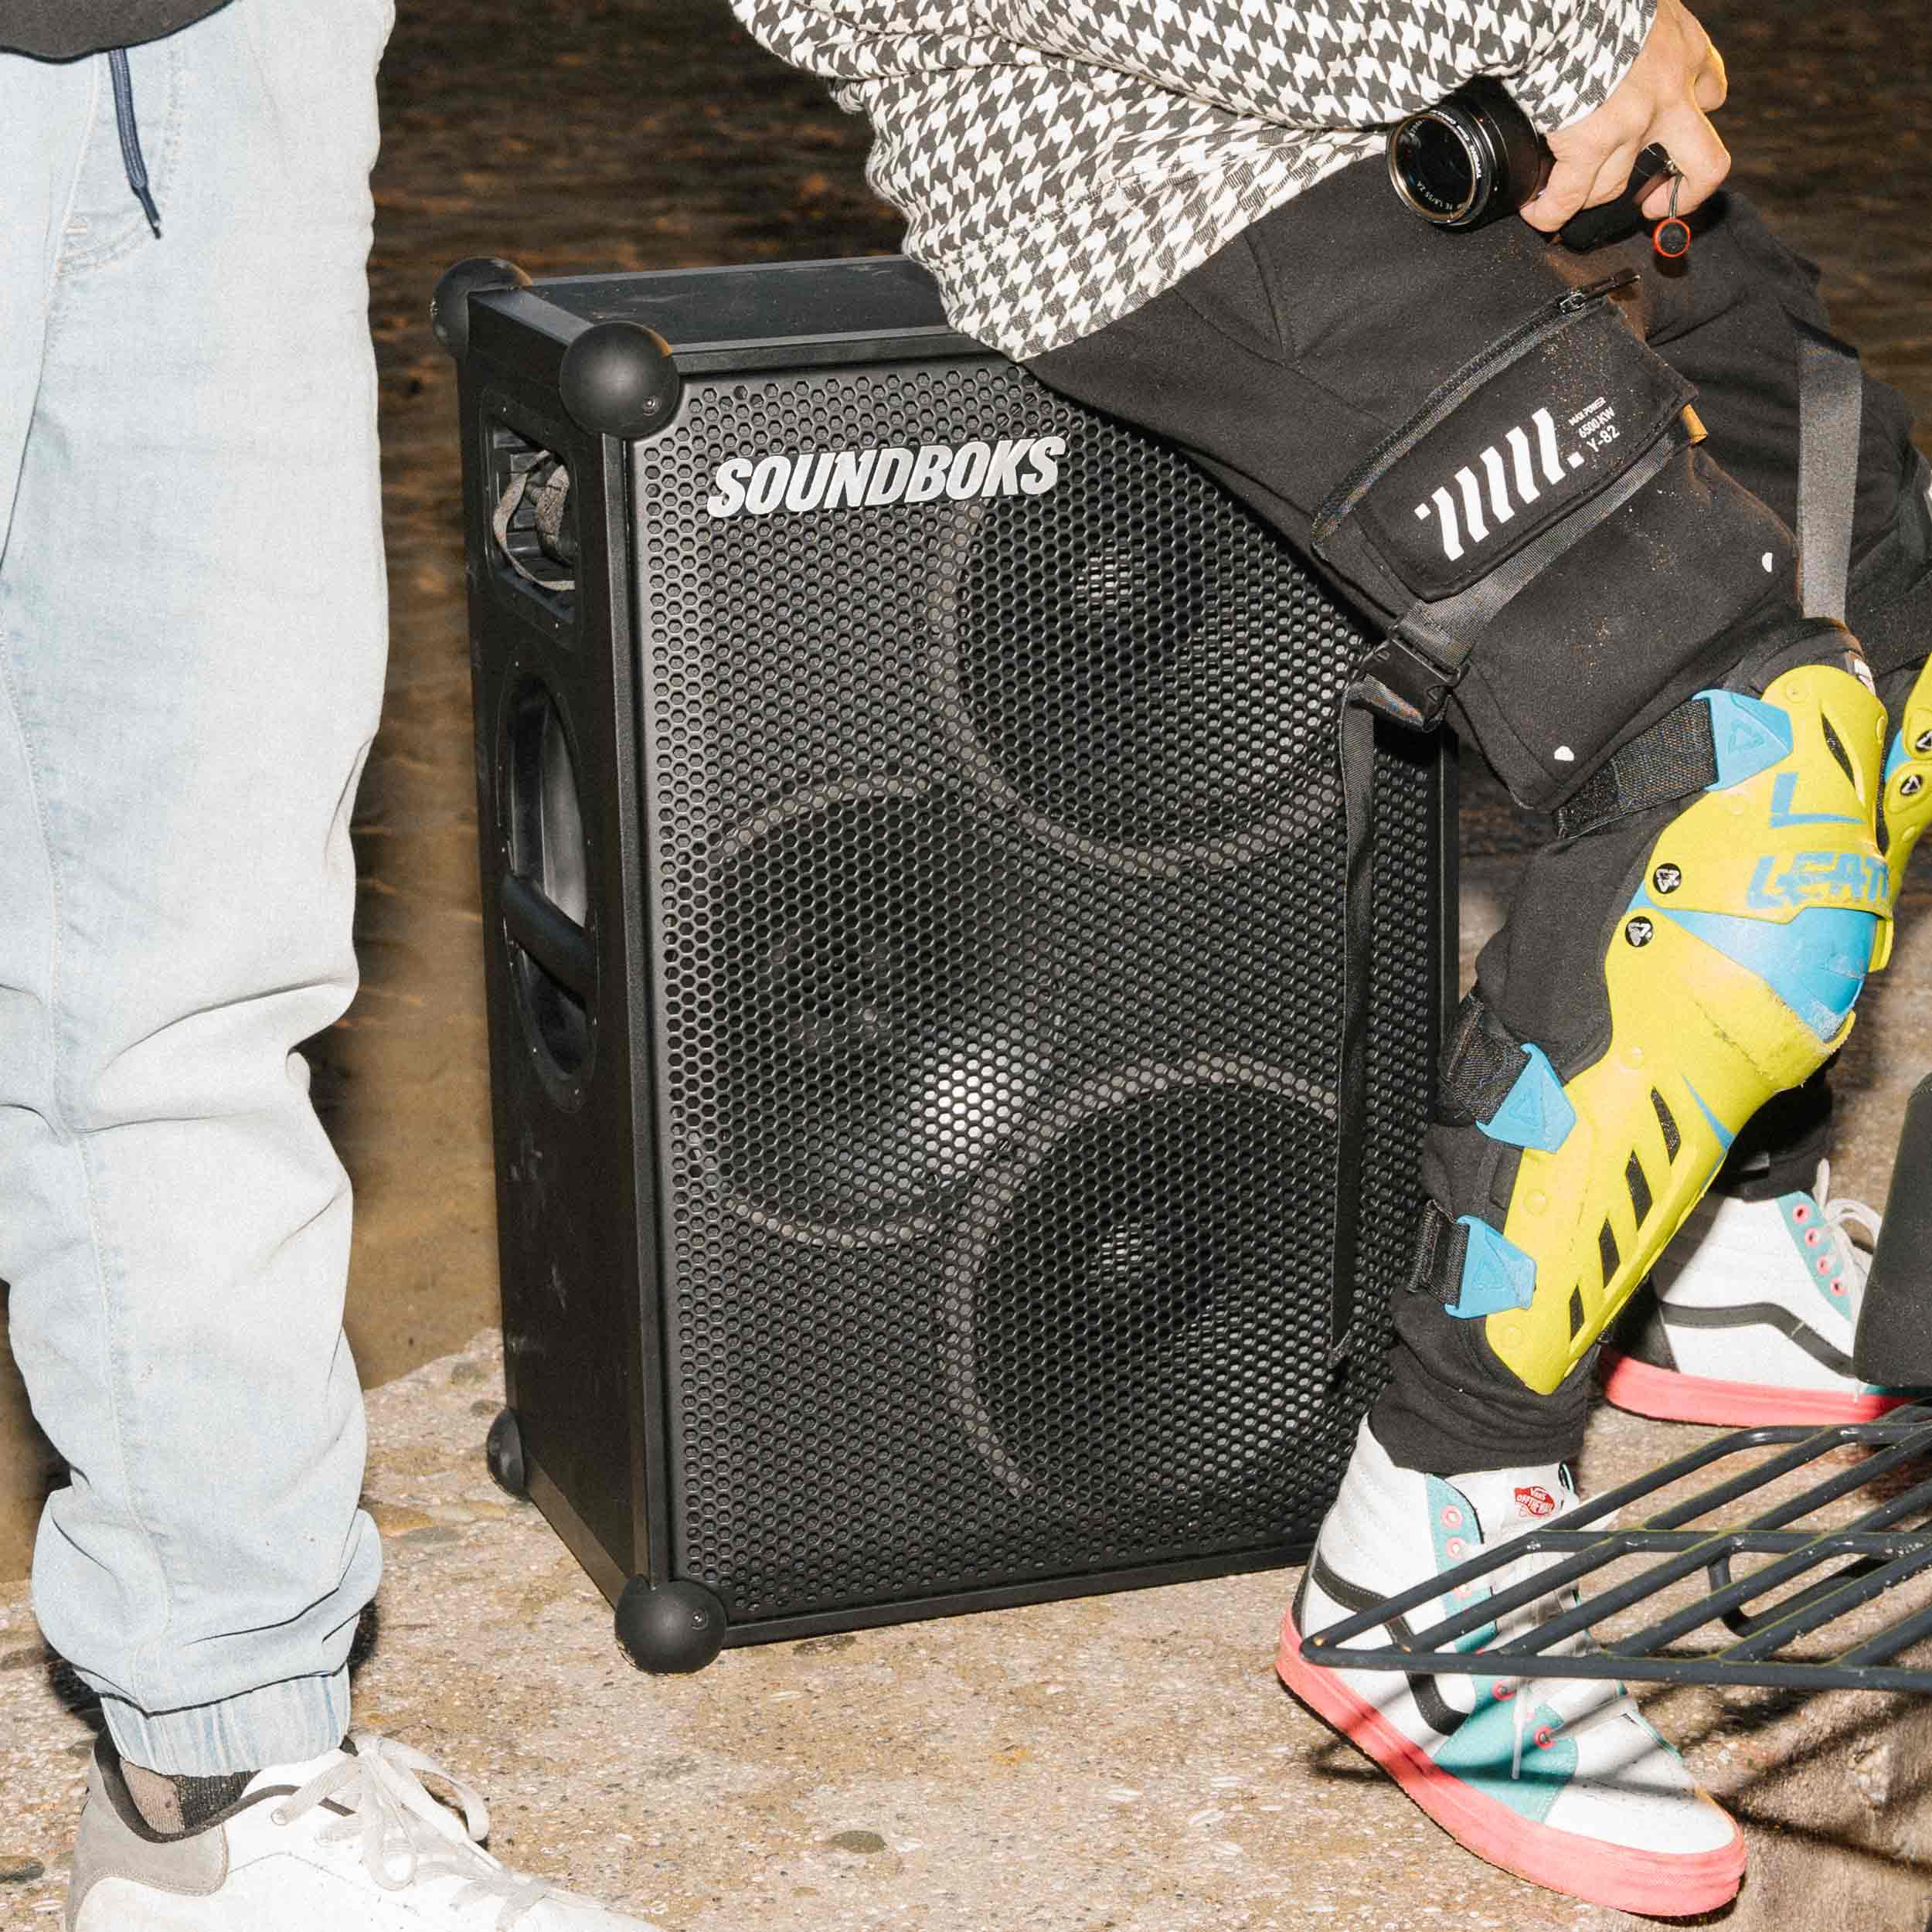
(1568, 443)
(1520, 438)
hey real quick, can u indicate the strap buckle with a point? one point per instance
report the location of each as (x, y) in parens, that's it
(1405, 684)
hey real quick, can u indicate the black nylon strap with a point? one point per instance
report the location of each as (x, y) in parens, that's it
(1831, 402)
(1677, 757)
(1481, 1064)
(1358, 752)
(1435, 1265)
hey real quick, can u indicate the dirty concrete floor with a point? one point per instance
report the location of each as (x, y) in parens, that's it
(1124, 1762)
(653, 134)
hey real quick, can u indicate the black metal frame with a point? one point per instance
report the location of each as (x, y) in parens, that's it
(1884, 1546)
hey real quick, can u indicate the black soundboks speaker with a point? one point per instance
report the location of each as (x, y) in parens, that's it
(912, 884)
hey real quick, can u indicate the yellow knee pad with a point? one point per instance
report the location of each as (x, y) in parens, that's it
(1908, 780)
(1731, 975)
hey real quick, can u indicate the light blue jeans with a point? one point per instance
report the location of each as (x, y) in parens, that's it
(193, 631)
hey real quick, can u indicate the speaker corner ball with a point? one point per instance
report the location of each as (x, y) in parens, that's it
(503, 1451)
(450, 306)
(619, 379)
(669, 1628)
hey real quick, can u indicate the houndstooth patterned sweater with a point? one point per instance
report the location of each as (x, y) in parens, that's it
(1060, 162)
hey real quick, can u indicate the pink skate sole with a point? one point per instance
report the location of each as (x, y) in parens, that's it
(1662, 1884)
(1672, 1396)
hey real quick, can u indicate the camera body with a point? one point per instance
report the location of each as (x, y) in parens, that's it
(1475, 156)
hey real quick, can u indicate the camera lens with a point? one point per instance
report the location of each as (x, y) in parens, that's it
(1435, 168)
(1472, 158)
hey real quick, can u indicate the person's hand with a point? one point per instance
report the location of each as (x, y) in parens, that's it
(1672, 88)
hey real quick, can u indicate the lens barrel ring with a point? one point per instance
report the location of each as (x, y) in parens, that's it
(1471, 158)
(1441, 167)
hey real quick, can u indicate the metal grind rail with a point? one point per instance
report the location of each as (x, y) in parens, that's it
(1863, 1558)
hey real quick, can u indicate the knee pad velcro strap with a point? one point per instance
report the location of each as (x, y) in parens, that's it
(1488, 1079)
(1731, 975)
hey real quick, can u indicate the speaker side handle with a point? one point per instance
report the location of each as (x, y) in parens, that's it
(557, 942)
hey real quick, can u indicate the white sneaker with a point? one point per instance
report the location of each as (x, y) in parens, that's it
(1749, 1317)
(1560, 1781)
(348, 1842)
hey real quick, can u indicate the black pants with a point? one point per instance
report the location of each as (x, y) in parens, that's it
(1281, 361)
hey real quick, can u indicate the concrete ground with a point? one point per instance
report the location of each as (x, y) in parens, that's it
(1110, 1763)
(1124, 1763)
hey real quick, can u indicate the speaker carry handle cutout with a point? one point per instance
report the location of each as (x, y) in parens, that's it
(543, 894)
(533, 556)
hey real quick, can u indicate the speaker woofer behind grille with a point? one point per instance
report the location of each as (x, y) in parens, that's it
(879, 1005)
(1110, 669)
(1137, 1301)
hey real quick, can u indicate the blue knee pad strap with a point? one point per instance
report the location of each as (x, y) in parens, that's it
(1496, 1273)
(1536, 1111)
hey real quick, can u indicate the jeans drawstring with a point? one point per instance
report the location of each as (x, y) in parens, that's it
(130, 154)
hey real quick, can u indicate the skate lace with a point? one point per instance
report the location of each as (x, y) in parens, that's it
(1841, 1215)
(407, 1836)
(1557, 1694)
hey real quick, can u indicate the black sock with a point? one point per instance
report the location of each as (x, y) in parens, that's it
(177, 1806)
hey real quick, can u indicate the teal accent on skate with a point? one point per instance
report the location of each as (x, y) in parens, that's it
(1802, 1216)
(1535, 1112)
(1496, 1273)
(1748, 736)
(1816, 962)
(1896, 756)
(1482, 1753)
(1452, 1522)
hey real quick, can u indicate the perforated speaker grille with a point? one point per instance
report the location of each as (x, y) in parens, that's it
(996, 904)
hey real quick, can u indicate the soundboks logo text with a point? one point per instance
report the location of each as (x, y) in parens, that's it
(848, 479)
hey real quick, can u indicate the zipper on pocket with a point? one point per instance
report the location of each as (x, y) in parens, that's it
(1550, 320)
